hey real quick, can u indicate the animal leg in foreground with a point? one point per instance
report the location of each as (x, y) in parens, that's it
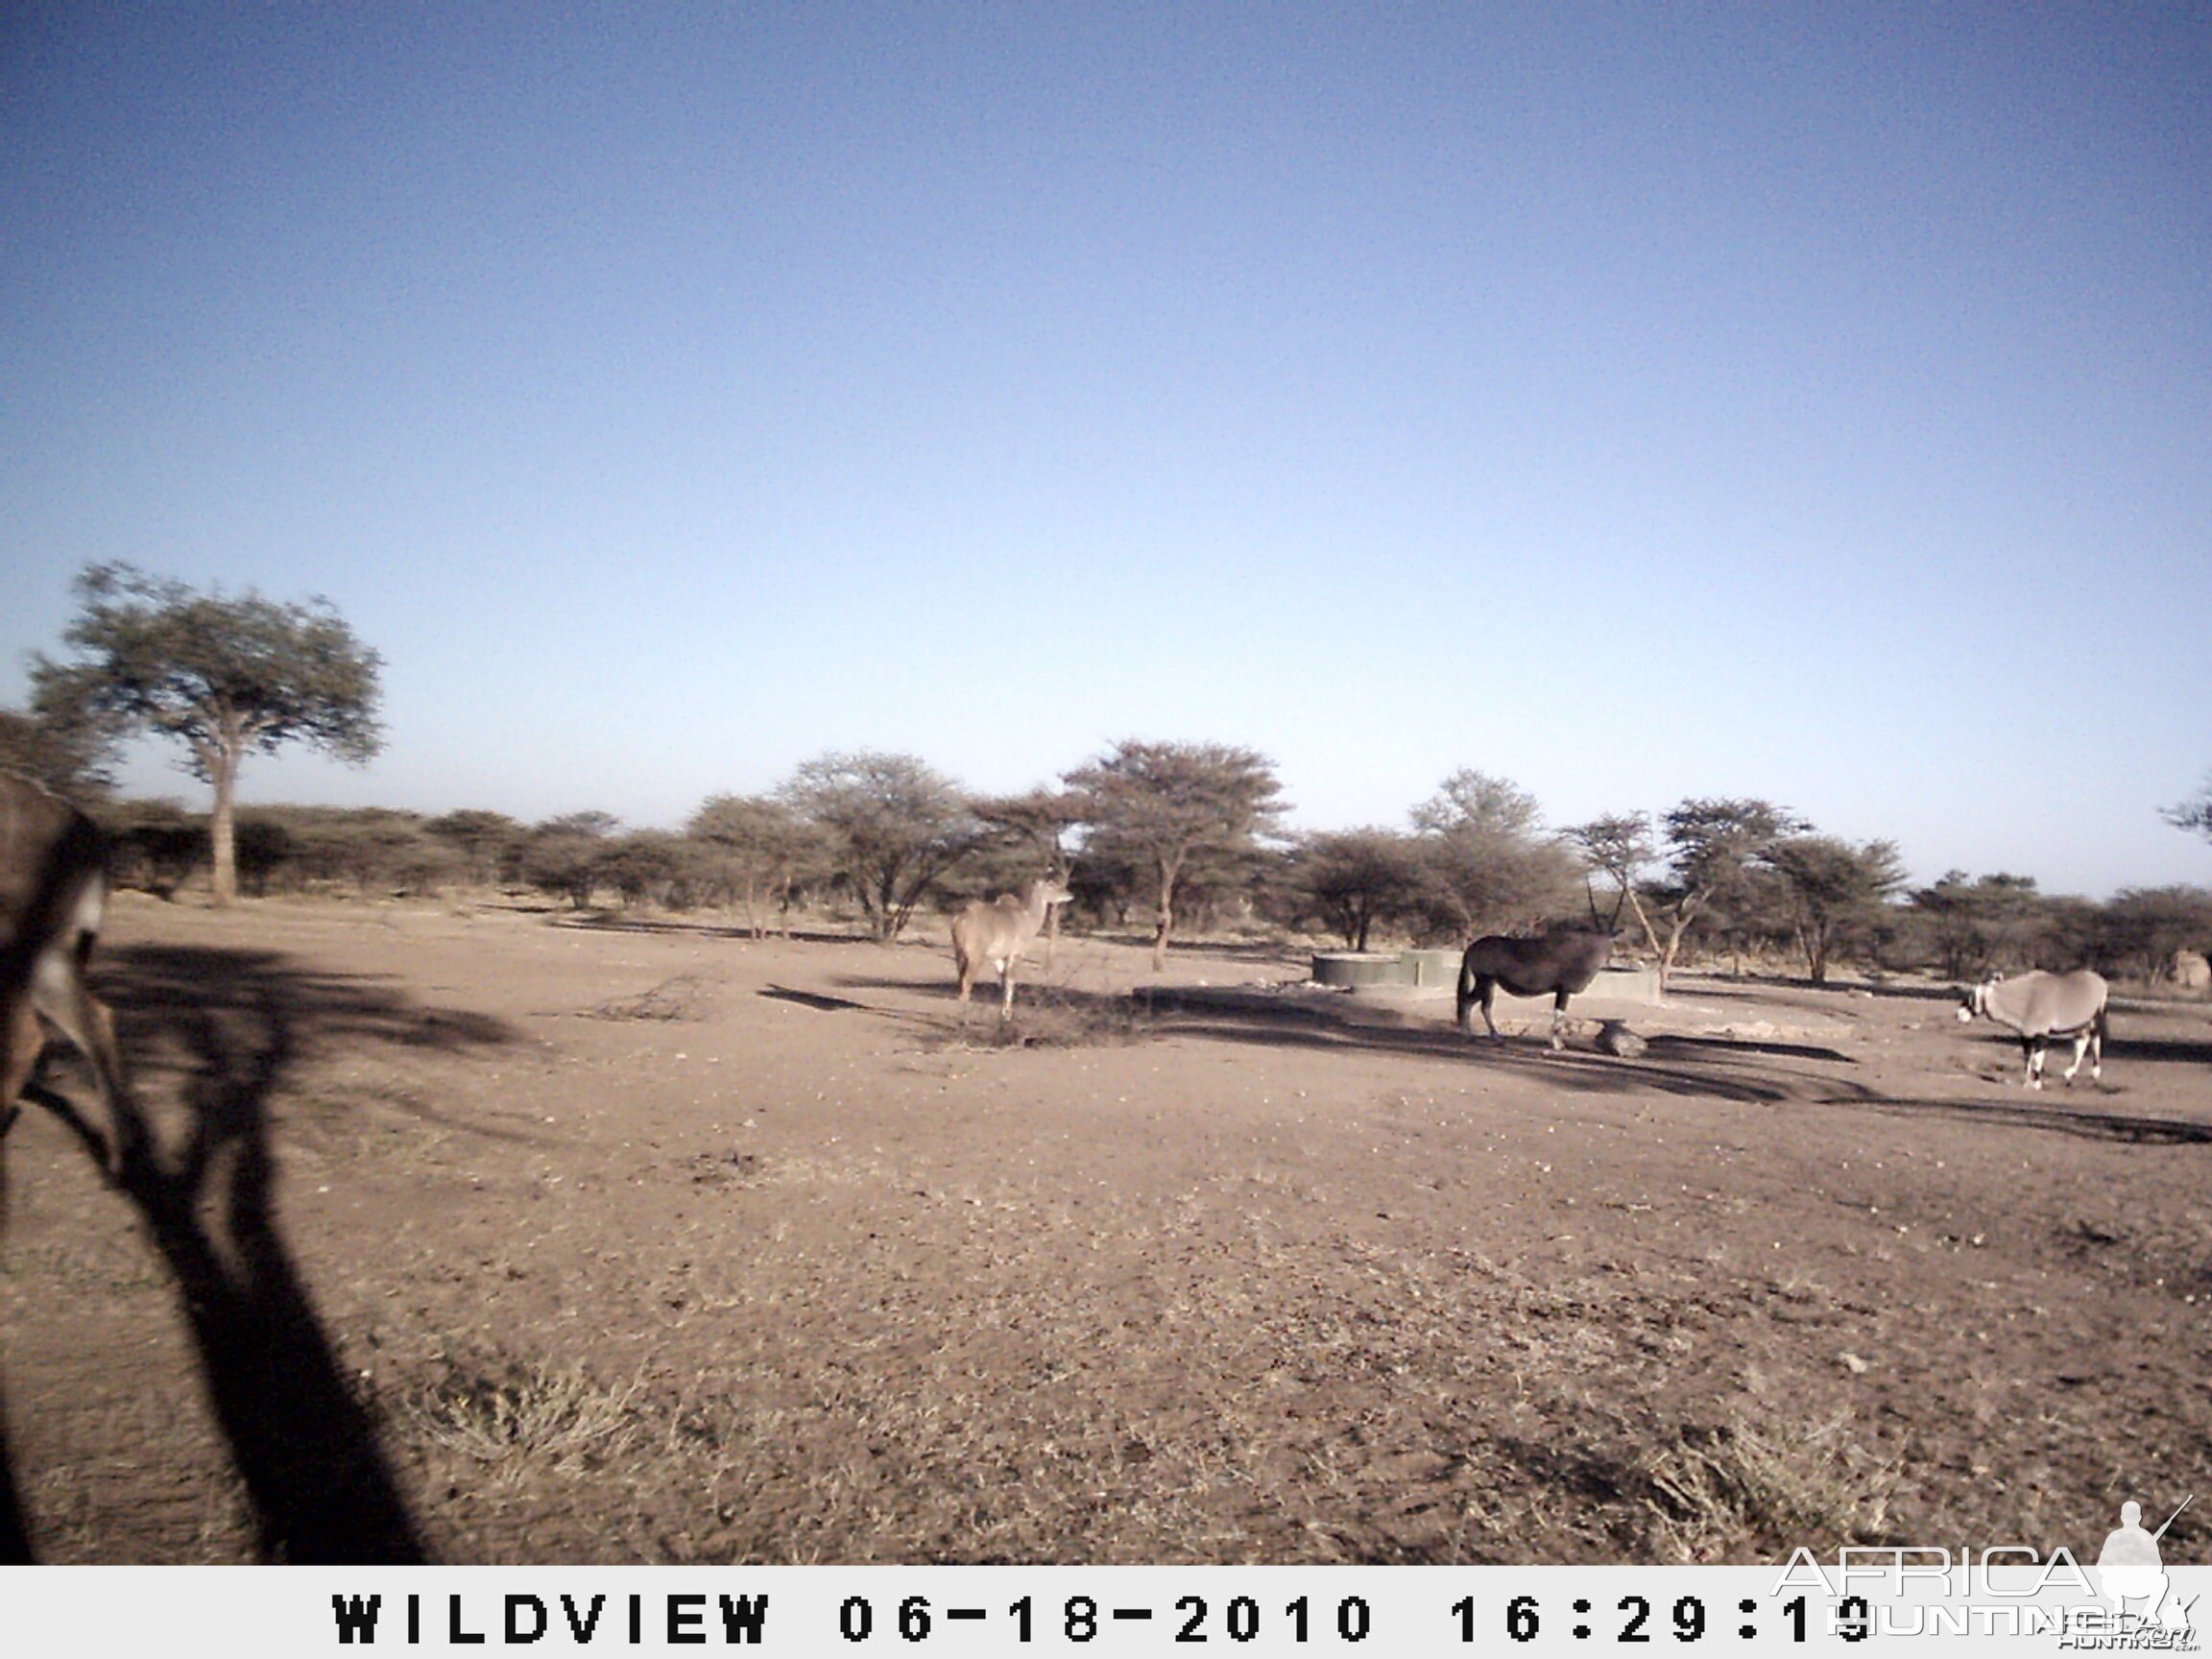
(53, 896)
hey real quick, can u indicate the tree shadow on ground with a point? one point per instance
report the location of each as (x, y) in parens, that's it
(2182, 1050)
(15, 1527)
(1746, 1073)
(2085, 1123)
(591, 922)
(1180, 950)
(198, 1171)
(814, 1000)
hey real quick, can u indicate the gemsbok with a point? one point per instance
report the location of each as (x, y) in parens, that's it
(53, 893)
(996, 934)
(1556, 964)
(2040, 1006)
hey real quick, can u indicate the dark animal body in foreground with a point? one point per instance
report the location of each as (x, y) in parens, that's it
(1556, 964)
(53, 894)
(2040, 1006)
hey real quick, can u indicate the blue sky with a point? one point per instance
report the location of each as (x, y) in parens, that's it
(1635, 403)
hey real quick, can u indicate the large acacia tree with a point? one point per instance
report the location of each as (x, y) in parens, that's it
(1836, 891)
(762, 849)
(1715, 848)
(226, 677)
(1493, 867)
(1167, 804)
(893, 824)
(1356, 881)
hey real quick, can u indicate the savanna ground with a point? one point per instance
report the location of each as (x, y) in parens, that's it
(480, 1234)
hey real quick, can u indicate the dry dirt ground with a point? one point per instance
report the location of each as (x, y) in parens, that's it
(482, 1236)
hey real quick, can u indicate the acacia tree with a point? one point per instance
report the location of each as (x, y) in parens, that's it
(1493, 867)
(1837, 890)
(563, 855)
(1715, 846)
(1167, 803)
(894, 823)
(1027, 831)
(1359, 879)
(2144, 928)
(763, 850)
(1618, 847)
(1031, 824)
(487, 843)
(66, 754)
(224, 677)
(2194, 813)
(1977, 922)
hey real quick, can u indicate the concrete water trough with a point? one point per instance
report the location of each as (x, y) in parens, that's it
(1357, 970)
(1431, 970)
(1437, 971)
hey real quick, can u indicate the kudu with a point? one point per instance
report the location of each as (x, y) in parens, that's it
(996, 934)
(53, 894)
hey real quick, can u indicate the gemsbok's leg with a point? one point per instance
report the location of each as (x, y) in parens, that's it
(1489, 994)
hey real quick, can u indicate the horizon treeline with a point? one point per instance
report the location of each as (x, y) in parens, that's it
(1178, 838)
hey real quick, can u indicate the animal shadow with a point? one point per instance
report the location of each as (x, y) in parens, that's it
(198, 1172)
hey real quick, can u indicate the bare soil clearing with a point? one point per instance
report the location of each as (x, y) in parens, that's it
(485, 1236)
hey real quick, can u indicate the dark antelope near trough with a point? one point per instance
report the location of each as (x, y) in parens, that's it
(1556, 964)
(996, 934)
(53, 893)
(2040, 1006)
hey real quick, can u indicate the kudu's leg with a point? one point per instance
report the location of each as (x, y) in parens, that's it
(1489, 989)
(1558, 1019)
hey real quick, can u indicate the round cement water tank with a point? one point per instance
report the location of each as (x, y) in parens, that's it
(1428, 969)
(1354, 969)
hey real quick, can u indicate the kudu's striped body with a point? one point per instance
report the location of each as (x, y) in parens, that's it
(995, 934)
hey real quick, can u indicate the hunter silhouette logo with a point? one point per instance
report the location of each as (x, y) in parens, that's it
(2130, 1568)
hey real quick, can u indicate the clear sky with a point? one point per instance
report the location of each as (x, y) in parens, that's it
(1636, 402)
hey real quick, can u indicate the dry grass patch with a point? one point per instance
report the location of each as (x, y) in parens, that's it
(681, 997)
(1051, 1016)
(518, 1419)
(1743, 1493)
